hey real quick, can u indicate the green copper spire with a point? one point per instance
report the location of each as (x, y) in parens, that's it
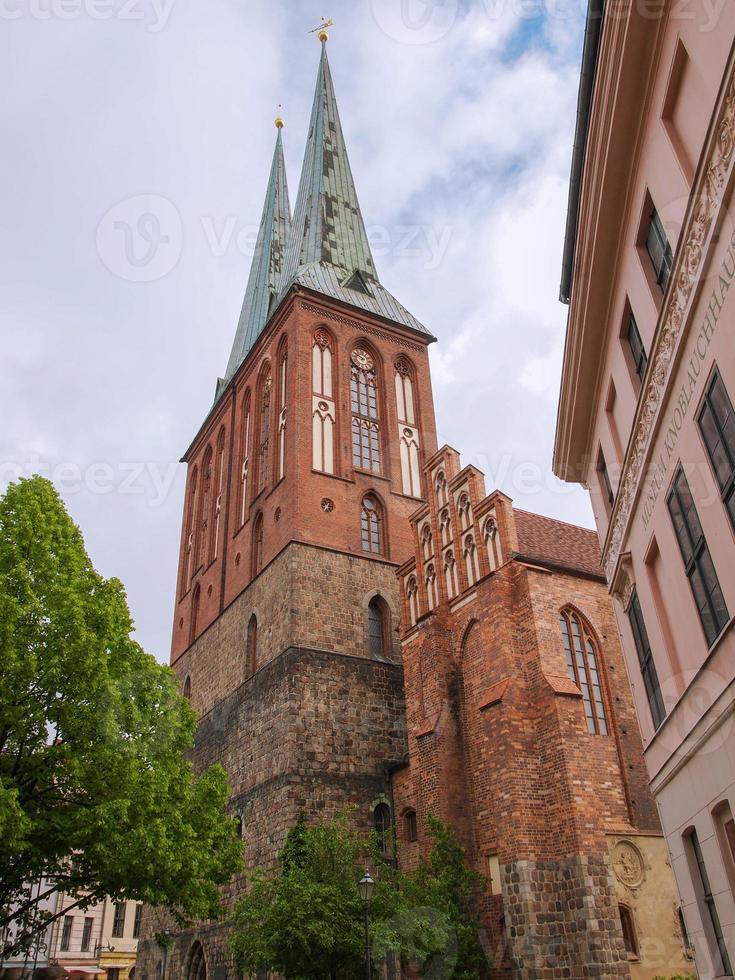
(264, 281)
(328, 249)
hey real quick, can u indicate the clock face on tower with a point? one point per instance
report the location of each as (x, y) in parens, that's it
(361, 359)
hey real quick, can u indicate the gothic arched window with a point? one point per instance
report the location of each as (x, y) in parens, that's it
(194, 622)
(204, 507)
(427, 542)
(323, 408)
(251, 647)
(408, 433)
(441, 489)
(450, 574)
(264, 425)
(371, 525)
(257, 553)
(244, 458)
(282, 380)
(411, 824)
(218, 486)
(412, 597)
(376, 627)
(492, 543)
(471, 560)
(187, 688)
(432, 596)
(190, 532)
(382, 824)
(445, 526)
(465, 512)
(583, 668)
(364, 404)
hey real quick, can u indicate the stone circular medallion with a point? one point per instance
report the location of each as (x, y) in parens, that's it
(627, 863)
(327, 505)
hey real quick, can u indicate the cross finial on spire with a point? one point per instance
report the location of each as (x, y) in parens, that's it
(279, 121)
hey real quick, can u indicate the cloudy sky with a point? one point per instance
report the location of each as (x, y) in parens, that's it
(137, 142)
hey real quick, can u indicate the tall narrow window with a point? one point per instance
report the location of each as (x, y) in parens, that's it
(583, 669)
(364, 403)
(66, 932)
(450, 574)
(427, 542)
(205, 507)
(219, 477)
(190, 532)
(700, 571)
(645, 659)
(710, 905)
(412, 830)
(432, 596)
(412, 598)
(445, 526)
(138, 921)
(251, 648)
(441, 489)
(187, 688)
(659, 250)
(492, 543)
(408, 434)
(471, 560)
(244, 458)
(717, 424)
(264, 426)
(376, 628)
(87, 933)
(637, 350)
(257, 551)
(382, 824)
(465, 512)
(118, 921)
(370, 525)
(194, 622)
(282, 381)
(323, 407)
(629, 936)
(605, 484)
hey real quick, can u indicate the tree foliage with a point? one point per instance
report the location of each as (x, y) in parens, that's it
(307, 921)
(96, 794)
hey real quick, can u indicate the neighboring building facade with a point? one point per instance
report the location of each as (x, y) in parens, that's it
(101, 940)
(522, 734)
(645, 416)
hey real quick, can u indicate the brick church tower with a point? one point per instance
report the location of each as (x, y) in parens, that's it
(300, 484)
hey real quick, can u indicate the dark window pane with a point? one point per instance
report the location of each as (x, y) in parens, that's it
(640, 360)
(659, 250)
(710, 905)
(645, 659)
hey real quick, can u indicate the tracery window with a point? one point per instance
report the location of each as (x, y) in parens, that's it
(583, 668)
(264, 429)
(283, 371)
(204, 507)
(450, 574)
(427, 542)
(244, 458)
(471, 560)
(365, 413)
(323, 408)
(492, 542)
(219, 477)
(190, 532)
(465, 512)
(376, 628)
(441, 489)
(445, 526)
(432, 596)
(412, 597)
(371, 525)
(404, 392)
(408, 434)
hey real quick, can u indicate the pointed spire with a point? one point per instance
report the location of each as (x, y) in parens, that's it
(328, 226)
(264, 281)
(328, 249)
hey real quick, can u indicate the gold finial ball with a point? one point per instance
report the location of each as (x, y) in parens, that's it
(323, 36)
(279, 122)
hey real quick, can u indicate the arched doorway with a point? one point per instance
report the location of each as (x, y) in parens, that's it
(197, 965)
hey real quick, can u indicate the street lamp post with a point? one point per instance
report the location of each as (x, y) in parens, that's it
(366, 886)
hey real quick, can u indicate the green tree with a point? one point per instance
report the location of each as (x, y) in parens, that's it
(96, 794)
(307, 920)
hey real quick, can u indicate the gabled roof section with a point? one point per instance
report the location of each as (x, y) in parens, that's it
(264, 281)
(328, 249)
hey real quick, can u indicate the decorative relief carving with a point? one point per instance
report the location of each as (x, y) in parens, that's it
(627, 863)
(335, 317)
(327, 505)
(403, 367)
(322, 338)
(688, 265)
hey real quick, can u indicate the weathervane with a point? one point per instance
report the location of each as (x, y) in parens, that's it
(322, 29)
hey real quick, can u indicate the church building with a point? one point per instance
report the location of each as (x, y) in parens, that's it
(358, 624)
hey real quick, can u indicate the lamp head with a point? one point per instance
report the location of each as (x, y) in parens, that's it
(366, 885)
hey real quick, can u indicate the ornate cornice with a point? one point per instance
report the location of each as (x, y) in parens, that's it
(704, 205)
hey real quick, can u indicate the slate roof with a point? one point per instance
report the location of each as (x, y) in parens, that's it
(558, 543)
